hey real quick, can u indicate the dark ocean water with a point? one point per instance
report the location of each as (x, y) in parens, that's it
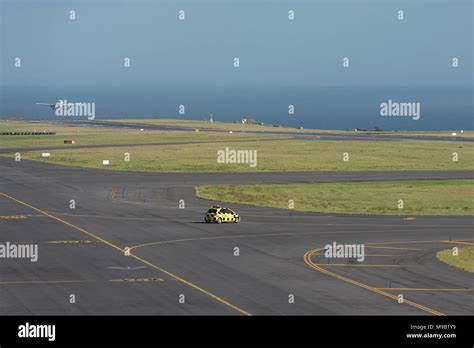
(442, 108)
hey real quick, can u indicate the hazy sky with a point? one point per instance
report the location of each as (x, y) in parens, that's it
(199, 51)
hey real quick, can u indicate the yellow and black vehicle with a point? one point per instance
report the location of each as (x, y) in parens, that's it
(220, 214)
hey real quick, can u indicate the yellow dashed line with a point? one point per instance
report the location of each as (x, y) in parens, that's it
(12, 217)
(133, 280)
(69, 242)
(44, 282)
(394, 248)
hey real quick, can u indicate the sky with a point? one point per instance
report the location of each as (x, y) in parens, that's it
(200, 51)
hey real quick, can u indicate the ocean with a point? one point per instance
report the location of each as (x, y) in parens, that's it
(441, 108)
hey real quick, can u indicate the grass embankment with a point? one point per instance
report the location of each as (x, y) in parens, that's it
(464, 260)
(432, 197)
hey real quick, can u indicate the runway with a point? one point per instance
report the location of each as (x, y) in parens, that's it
(367, 136)
(178, 265)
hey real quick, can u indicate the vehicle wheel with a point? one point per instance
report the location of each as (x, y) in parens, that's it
(237, 219)
(219, 220)
(207, 221)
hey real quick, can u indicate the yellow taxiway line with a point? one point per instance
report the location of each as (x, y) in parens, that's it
(353, 265)
(12, 217)
(424, 289)
(310, 263)
(456, 242)
(43, 282)
(68, 242)
(90, 234)
(370, 255)
(394, 248)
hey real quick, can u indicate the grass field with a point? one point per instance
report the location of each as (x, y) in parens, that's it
(420, 197)
(464, 260)
(276, 154)
(100, 135)
(282, 155)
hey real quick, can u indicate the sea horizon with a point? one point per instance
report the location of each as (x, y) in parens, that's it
(331, 107)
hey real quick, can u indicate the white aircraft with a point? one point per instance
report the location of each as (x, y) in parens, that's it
(57, 105)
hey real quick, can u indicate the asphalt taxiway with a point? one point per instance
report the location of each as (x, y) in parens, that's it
(177, 264)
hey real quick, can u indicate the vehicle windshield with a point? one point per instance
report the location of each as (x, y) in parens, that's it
(212, 211)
